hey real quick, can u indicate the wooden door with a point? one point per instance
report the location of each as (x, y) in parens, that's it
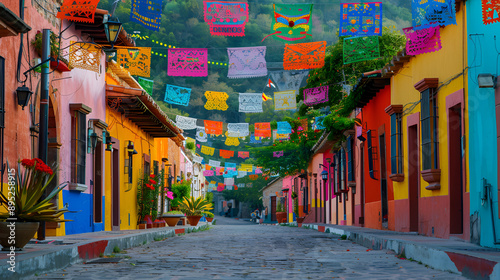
(273, 208)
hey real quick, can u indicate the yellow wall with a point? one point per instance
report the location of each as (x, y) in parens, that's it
(444, 64)
(124, 130)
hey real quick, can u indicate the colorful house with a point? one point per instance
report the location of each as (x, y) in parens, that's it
(76, 115)
(271, 196)
(483, 102)
(135, 121)
(428, 94)
(374, 196)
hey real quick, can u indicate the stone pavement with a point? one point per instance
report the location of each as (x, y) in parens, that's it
(58, 252)
(234, 249)
(455, 255)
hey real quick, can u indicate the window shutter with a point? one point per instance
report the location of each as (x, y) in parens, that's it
(370, 154)
(350, 161)
(394, 145)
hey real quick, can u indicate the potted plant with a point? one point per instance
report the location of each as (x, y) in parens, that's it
(24, 207)
(62, 65)
(195, 208)
(148, 190)
(280, 213)
(180, 191)
(209, 216)
(172, 217)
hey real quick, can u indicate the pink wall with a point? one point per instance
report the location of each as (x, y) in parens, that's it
(79, 86)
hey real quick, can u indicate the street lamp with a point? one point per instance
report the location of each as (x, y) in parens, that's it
(23, 96)
(112, 28)
(92, 139)
(324, 175)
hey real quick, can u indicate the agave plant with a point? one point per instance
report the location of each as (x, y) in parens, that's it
(25, 202)
(195, 207)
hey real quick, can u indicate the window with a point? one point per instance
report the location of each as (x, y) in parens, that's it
(396, 113)
(350, 161)
(396, 144)
(429, 120)
(156, 167)
(336, 171)
(78, 146)
(342, 170)
(370, 154)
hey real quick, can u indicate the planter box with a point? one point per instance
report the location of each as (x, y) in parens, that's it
(141, 226)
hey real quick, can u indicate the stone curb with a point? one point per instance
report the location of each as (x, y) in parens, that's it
(61, 256)
(466, 265)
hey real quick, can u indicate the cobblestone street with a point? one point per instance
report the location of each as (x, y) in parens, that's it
(235, 249)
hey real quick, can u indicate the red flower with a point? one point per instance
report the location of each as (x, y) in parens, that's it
(152, 176)
(27, 162)
(150, 187)
(151, 181)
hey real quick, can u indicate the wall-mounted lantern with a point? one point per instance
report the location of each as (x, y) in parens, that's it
(23, 96)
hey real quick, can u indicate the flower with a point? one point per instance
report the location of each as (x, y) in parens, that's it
(170, 195)
(151, 181)
(28, 162)
(152, 176)
(150, 187)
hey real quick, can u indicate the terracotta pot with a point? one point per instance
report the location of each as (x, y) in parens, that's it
(171, 221)
(24, 231)
(281, 217)
(209, 219)
(300, 220)
(193, 220)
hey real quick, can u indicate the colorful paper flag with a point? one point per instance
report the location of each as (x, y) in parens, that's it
(431, 13)
(136, 61)
(82, 11)
(177, 95)
(226, 18)
(360, 49)
(85, 56)
(361, 19)
(317, 95)
(248, 62)
(187, 62)
(213, 127)
(292, 22)
(422, 41)
(304, 56)
(216, 100)
(285, 100)
(250, 102)
(147, 13)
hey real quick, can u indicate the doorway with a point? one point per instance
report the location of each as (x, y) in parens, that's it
(273, 208)
(455, 163)
(98, 183)
(413, 176)
(383, 182)
(115, 185)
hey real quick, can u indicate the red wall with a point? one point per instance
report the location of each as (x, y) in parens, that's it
(373, 116)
